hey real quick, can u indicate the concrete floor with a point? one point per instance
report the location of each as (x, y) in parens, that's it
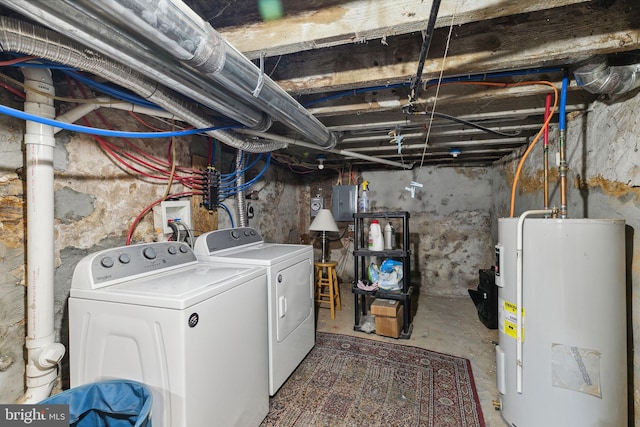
(443, 324)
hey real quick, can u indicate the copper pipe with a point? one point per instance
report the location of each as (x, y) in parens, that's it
(547, 109)
(563, 175)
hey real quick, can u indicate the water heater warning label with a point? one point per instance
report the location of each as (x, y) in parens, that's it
(508, 318)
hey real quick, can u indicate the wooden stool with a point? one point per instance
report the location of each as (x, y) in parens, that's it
(327, 286)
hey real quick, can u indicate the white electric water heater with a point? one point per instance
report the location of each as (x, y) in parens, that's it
(563, 360)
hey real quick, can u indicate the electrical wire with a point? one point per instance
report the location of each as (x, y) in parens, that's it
(433, 110)
(17, 60)
(176, 231)
(433, 82)
(144, 123)
(137, 219)
(48, 95)
(467, 123)
(189, 235)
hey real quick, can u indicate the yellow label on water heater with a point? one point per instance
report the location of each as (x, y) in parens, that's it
(509, 319)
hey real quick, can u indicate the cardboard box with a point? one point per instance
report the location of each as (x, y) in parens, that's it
(388, 314)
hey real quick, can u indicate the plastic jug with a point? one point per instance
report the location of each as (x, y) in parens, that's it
(389, 236)
(375, 242)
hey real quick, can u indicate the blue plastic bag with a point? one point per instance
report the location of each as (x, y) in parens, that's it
(389, 265)
(111, 403)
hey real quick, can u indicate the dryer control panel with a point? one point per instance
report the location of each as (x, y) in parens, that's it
(111, 266)
(227, 238)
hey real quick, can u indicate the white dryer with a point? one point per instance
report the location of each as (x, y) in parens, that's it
(193, 332)
(291, 320)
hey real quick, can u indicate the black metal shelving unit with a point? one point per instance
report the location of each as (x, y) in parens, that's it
(360, 255)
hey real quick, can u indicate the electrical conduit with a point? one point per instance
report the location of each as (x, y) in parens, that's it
(242, 214)
(43, 353)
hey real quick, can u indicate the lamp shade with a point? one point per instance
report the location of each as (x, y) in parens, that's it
(324, 222)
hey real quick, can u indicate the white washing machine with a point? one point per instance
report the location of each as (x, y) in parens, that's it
(193, 332)
(291, 320)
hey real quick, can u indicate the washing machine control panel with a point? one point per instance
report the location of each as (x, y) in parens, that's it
(230, 238)
(112, 265)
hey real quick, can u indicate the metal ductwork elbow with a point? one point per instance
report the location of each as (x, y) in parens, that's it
(597, 76)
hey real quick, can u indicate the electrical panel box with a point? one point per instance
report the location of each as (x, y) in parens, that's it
(345, 202)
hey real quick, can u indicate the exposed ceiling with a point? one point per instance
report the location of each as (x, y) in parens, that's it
(352, 65)
(336, 57)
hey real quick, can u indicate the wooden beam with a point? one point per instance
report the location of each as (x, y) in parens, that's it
(364, 20)
(447, 97)
(559, 36)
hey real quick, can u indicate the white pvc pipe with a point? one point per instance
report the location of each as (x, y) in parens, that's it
(519, 262)
(83, 109)
(43, 354)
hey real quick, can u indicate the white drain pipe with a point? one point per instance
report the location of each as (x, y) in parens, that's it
(519, 290)
(43, 353)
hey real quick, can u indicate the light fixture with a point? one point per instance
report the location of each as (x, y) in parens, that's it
(455, 152)
(321, 158)
(324, 222)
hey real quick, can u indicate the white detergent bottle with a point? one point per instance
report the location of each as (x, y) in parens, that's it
(389, 236)
(376, 241)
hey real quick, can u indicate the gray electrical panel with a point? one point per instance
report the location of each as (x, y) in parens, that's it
(345, 202)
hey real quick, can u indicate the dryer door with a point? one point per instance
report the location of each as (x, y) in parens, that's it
(294, 297)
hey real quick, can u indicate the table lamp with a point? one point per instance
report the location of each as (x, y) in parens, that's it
(324, 222)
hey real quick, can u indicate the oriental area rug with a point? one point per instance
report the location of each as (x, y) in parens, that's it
(349, 381)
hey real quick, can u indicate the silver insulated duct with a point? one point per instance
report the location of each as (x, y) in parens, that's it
(169, 43)
(172, 26)
(597, 76)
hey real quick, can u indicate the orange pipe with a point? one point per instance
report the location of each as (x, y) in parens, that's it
(535, 140)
